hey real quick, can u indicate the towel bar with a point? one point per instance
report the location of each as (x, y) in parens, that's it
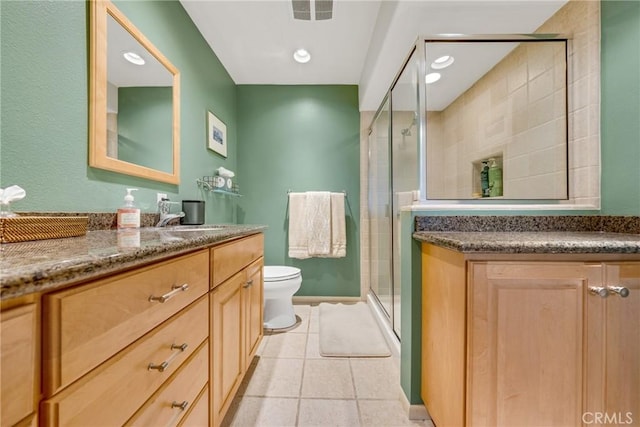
(289, 191)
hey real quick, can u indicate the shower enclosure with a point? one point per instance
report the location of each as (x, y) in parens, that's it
(393, 181)
(457, 103)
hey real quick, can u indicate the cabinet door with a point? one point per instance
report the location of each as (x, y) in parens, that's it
(622, 345)
(18, 360)
(444, 306)
(526, 342)
(253, 306)
(227, 343)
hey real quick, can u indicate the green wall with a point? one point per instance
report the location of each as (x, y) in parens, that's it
(620, 108)
(44, 109)
(301, 138)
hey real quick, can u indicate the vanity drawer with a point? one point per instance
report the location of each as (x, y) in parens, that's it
(113, 392)
(86, 325)
(199, 414)
(183, 388)
(18, 361)
(229, 258)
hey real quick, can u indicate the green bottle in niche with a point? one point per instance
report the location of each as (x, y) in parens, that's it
(484, 178)
(495, 179)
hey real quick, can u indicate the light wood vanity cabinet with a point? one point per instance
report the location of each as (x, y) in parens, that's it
(528, 342)
(236, 321)
(164, 344)
(19, 365)
(113, 392)
(86, 325)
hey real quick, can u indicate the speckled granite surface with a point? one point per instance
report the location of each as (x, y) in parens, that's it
(544, 242)
(611, 224)
(532, 234)
(44, 265)
(100, 220)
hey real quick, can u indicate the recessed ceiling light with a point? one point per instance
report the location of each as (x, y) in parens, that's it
(302, 56)
(442, 62)
(432, 78)
(134, 58)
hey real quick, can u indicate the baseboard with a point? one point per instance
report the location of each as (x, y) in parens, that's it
(319, 299)
(416, 411)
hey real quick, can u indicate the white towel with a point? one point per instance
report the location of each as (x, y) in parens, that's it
(317, 225)
(318, 214)
(298, 241)
(338, 227)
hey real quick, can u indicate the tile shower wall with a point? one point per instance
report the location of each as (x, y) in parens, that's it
(531, 113)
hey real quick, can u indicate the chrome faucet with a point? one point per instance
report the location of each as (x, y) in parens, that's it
(164, 208)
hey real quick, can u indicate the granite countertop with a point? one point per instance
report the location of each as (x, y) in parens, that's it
(533, 242)
(44, 265)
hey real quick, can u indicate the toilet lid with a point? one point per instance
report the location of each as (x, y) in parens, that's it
(275, 273)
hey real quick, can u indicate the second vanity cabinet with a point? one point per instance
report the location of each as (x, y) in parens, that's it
(514, 340)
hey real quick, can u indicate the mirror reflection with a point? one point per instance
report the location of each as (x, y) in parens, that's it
(134, 105)
(139, 102)
(496, 119)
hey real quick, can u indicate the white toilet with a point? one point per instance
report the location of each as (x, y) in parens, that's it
(280, 283)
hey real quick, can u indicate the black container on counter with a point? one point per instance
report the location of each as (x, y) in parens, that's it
(193, 212)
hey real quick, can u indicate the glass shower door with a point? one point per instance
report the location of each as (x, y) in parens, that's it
(380, 211)
(404, 165)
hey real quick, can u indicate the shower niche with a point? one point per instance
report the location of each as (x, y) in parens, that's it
(482, 184)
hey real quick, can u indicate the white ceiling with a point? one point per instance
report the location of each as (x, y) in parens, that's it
(365, 43)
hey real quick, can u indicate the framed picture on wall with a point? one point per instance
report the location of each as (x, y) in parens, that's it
(216, 135)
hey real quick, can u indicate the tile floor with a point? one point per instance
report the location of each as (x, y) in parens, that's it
(290, 384)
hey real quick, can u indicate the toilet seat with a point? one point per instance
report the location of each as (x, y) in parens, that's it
(280, 273)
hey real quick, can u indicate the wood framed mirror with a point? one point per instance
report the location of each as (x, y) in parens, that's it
(134, 110)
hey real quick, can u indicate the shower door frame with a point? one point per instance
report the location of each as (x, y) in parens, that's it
(388, 311)
(394, 318)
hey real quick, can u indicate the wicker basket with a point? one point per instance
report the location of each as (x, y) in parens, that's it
(24, 228)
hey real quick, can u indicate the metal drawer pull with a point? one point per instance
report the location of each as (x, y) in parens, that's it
(182, 405)
(248, 284)
(599, 290)
(175, 290)
(179, 347)
(620, 290)
(164, 365)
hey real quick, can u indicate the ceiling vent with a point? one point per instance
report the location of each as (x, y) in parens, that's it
(321, 10)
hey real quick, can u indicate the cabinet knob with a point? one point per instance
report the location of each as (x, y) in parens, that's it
(620, 290)
(599, 290)
(248, 284)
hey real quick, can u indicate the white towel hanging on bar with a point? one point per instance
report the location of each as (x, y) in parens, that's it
(317, 225)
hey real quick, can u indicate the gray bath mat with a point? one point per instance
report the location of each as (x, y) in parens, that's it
(349, 330)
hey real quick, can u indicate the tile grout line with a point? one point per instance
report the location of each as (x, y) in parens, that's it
(304, 364)
(355, 392)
